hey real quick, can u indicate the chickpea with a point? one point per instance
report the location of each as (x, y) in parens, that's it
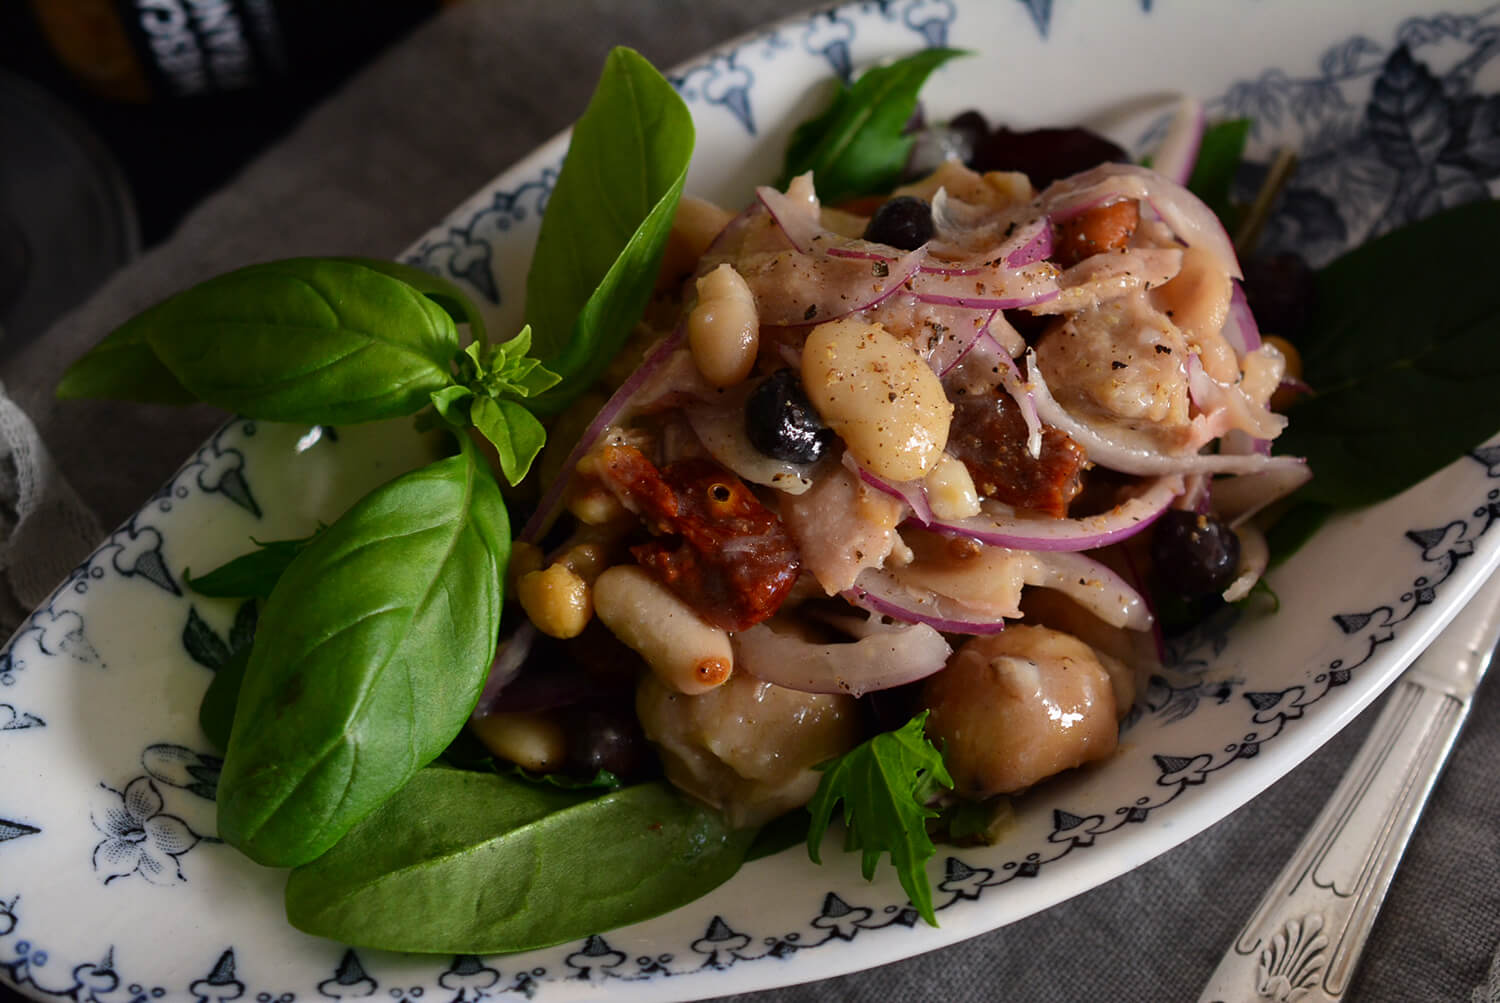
(686, 654)
(1014, 708)
(532, 741)
(694, 226)
(878, 395)
(723, 329)
(1285, 397)
(557, 601)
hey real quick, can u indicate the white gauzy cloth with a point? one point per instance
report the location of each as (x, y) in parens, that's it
(46, 528)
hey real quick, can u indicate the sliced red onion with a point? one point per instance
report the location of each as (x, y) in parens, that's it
(1197, 495)
(721, 430)
(1229, 408)
(1240, 328)
(1000, 526)
(1255, 557)
(1035, 241)
(911, 492)
(1087, 582)
(1138, 455)
(1020, 392)
(1178, 151)
(884, 658)
(1237, 499)
(796, 215)
(752, 231)
(995, 288)
(1193, 222)
(1095, 587)
(509, 657)
(552, 500)
(879, 591)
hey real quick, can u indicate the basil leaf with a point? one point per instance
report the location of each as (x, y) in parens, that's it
(313, 340)
(445, 293)
(1403, 353)
(216, 712)
(514, 432)
(606, 223)
(123, 367)
(1219, 154)
(253, 574)
(370, 654)
(885, 784)
(858, 146)
(474, 863)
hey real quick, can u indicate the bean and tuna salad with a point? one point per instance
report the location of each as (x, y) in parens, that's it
(931, 452)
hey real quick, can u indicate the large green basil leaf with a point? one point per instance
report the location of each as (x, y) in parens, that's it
(859, 145)
(444, 292)
(317, 340)
(606, 223)
(369, 656)
(124, 367)
(475, 863)
(1403, 354)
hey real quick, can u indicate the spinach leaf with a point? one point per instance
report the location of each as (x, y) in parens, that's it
(216, 712)
(314, 340)
(779, 834)
(885, 785)
(857, 146)
(601, 780)
(1219, 156)
(253, 574)
(1403, 353)
(370, 654)
(476, 863)
(123, 366)
(606, 223)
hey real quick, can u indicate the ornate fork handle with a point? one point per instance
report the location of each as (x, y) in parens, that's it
(1306, 936)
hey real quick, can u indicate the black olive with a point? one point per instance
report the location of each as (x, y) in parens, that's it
(604, 739)
(904, 221)
(780, 420)
(1193, 555)
(1282, 291)
(1044, 155)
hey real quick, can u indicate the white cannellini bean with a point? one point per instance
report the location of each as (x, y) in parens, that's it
(877, 394)
(533, 741)
(723, 329)
(950, 489)
(686, 654)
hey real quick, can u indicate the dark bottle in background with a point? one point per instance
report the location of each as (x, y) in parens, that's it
(185, 92)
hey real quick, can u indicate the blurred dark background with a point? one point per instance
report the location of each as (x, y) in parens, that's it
(118, 116)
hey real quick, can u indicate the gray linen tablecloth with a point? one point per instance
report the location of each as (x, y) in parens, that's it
(432, 121)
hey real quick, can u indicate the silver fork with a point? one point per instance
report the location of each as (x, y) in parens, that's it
(1306, 936)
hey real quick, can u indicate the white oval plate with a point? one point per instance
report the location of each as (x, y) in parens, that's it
(112, 886)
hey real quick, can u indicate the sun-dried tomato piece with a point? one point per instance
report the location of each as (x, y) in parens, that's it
(718, 548)
(988, 435)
